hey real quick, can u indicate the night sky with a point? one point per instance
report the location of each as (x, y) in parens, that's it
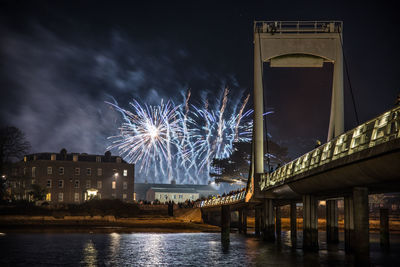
(60, 60)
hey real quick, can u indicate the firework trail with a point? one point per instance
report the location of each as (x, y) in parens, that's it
(178, 142)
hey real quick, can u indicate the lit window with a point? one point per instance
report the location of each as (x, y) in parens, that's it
(49, 170)
(125, 172)
(114, 195)
(60, 183)
(118, 160)
(33, 181)
(113, 185)
(125, 185)
(89, 171)
(76, 197)
(99, 172)
(88, 183)
(60, 197)
(77, 171)
(76, 184)
(99, 184)
(53, 156)
(123, 196)
(98, 195)
(48, 197)
(33, 171)
(98, 159)
(25, 159)
(61, 171)
(75, 158)
(48, 184)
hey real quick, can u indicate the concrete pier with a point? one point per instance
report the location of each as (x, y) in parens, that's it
(384, 228)
(310, 223)
(332, 232)
(361, 224)
(278, 227)
(268, 220)
(240, 221)
(257, 212)
(348, 223)
(293, 222)
(225, 223)
(244, 221)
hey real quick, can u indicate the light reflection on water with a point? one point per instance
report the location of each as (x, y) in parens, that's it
(157, 249)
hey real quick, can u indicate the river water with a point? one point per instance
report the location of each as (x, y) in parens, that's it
(177, 249)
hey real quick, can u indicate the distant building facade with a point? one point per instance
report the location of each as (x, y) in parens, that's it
(172, 192)
(73, 177)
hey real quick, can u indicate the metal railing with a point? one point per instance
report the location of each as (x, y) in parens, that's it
(369, 134)
(222, 200)
(278, 27)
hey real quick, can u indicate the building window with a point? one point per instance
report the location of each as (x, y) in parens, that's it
(77, 171)
(89, 171)
(48, 197)
(48, 183)
(60, 183)
(98, 159)
(33, 171)
(113, 185)
(61, 171)
(49, 170)
(88, 183)
(75, 158)
(98, 195)
(174, 196)
(24, 171)
(60, 197)
(123, 196)
(180, 196)
(125, 185)
(33, 181)
(99, 172)
(76, 197)
(118, 160)
(99, 184)
(113, 195)
(53, 156)
(76, 184)
(25, 159)
(134, 196)
(125, 172)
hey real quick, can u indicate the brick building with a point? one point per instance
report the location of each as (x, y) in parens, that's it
(73, 177)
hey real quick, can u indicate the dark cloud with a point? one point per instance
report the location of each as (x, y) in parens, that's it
(62, 59)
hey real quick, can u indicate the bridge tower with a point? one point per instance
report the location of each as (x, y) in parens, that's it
(297, 44)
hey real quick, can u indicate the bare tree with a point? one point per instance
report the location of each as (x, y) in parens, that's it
(13, 145)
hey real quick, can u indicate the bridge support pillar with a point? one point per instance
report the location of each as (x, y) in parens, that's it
(225, 223)
(348, 223)
(240, 221)
(268, 220)
(361, 223)
(384, 228)
(244, 222)
(278, 217)
(293, 223)
(332, 233)
(310, 223)
(257, 212)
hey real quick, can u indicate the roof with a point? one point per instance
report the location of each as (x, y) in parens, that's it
(63, 155)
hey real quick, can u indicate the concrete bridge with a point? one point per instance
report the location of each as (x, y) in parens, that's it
(349, 166)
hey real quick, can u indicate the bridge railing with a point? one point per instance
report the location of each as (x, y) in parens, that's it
(225, 200)
(369, 134)
(277, 27)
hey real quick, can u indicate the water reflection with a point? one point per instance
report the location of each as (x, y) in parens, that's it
(89, 254)
(186, 249)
